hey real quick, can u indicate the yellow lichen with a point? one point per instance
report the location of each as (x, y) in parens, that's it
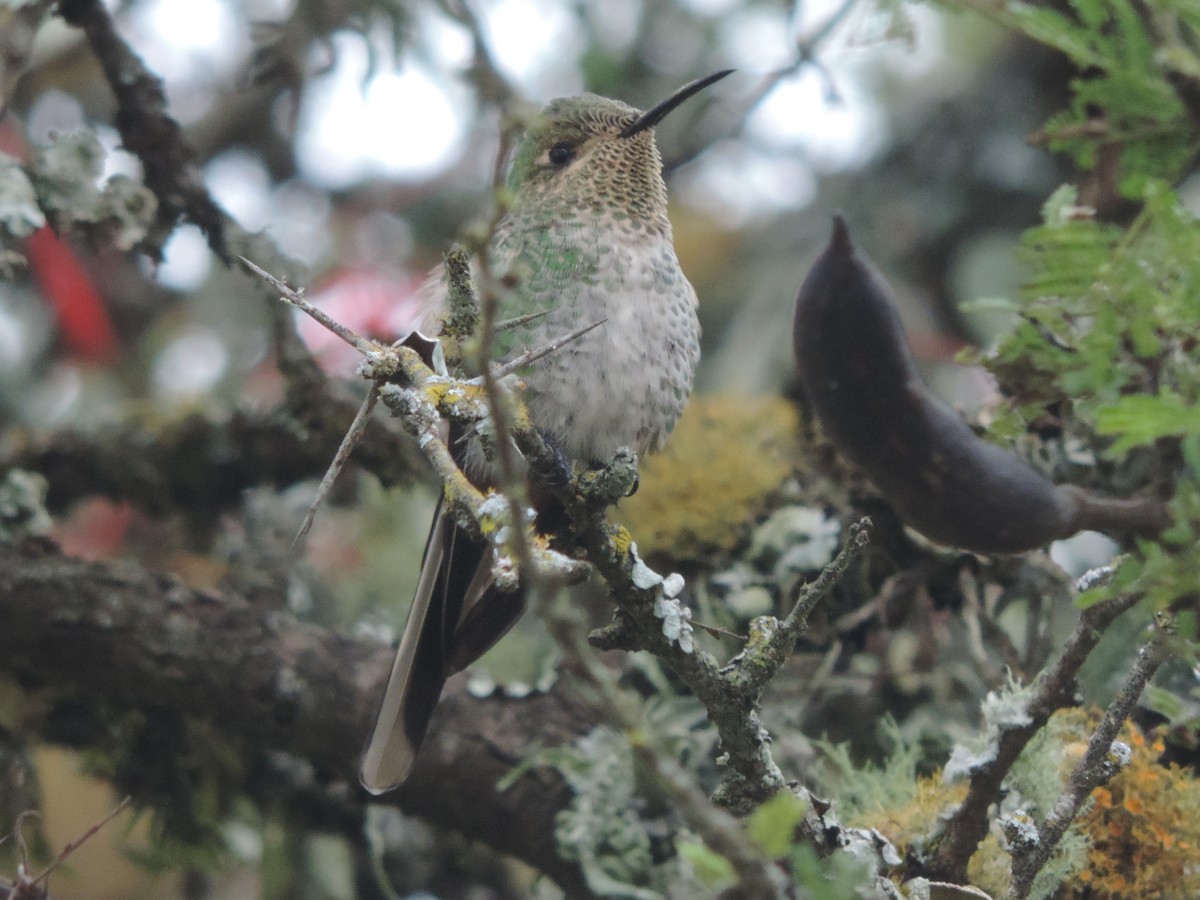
(622, 540)
(913, 823)
(726, 458)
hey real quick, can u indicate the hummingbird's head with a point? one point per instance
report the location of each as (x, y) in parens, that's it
(593, 153)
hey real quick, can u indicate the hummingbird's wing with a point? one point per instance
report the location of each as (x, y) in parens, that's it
(457, 614)
(419, 670)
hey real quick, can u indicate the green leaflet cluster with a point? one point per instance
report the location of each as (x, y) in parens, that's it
(1109, 334)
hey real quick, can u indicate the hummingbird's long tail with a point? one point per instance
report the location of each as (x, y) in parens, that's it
(457, 614)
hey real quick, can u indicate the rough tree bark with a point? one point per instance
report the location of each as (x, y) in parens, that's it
(129, 639)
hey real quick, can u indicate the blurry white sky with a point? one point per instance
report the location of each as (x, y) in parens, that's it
(402, 122)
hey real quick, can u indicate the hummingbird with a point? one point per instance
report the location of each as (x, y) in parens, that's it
(586, 239)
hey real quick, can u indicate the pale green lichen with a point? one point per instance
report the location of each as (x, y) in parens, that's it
(23, 505)
(20, 214)
(65, 174)
(607, 828)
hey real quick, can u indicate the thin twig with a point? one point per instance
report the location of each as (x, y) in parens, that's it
(512, 486)
(296, 298)
(493, 86)
(771, 642)
(354, 436)
(807, 48)
(1101, 761)
(1053, 690)
(813, 592)
(26, 887)
(74, 845)
(544, 350)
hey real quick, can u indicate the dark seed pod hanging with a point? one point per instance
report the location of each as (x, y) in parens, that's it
(941, 478)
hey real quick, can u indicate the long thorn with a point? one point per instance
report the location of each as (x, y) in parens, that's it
(354, 436)
(296, 299)
(519, 321)
(537, 353)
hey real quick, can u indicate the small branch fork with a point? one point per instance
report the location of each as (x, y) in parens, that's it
(1032, 844)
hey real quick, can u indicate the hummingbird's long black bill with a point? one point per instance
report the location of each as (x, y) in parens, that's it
(659, 111)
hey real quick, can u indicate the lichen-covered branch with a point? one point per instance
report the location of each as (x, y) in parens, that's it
(185, 465)
(1054, 690)
(772, 641)
(1101, 761)
(751, 773)
(171, 173)
(143, 646)
(730, 695)
(756, 875)
(149, 133)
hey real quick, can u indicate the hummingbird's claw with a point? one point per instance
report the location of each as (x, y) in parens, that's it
(609, 483)
(558, 470)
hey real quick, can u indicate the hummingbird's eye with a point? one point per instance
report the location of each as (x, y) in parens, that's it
(561, 154)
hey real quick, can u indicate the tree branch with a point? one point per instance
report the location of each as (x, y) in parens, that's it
(1101, 761)
(149, 133)
(187, 464)
(1054, 690)
(122, 639)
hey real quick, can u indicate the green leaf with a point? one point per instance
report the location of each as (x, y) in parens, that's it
(1056, 30)
(711, 868)
(773, 825)
(1142, 419)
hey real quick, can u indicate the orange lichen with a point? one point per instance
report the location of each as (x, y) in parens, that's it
(1143, 828)
(1140, 832)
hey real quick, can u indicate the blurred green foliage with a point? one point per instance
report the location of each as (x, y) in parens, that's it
(1107, 339)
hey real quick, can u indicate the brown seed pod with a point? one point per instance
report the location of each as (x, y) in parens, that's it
(941, 478)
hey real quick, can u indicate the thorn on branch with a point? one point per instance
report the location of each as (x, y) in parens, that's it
(517, 322)
(354, 436)
(296, 298)
(545, 349)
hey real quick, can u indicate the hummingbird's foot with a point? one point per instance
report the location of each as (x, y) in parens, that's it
(557, 470)
(608, 484)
